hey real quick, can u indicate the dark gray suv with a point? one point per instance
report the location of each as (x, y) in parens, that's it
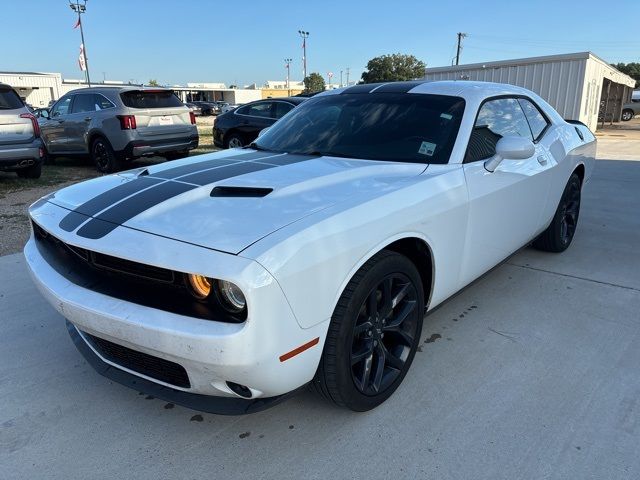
(21, 149)
(115, 125)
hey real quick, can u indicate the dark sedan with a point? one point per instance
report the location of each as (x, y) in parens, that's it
(241, 126)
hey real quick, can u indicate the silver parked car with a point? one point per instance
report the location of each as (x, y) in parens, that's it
(115, 125)
(630, 110)
(21, 148)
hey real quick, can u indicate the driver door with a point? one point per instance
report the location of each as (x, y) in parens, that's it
(505, 206)
(54, 129)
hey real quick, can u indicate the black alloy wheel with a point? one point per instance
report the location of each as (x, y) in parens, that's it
(103, 156)
(559, 234)
(384, 334)
(373, 334)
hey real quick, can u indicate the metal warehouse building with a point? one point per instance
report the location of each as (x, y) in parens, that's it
(580, 86)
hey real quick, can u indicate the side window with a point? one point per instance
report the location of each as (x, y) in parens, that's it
(496, 119)
(102, 103)
(260, 109)
(281, 109)
(243, 110)
(61, 107)
(84, 102)
(537, 122)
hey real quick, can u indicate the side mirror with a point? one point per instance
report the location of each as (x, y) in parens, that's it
(44, 113)
(510, 148)
(263, 131)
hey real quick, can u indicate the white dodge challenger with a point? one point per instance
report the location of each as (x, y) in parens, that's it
(225, 282)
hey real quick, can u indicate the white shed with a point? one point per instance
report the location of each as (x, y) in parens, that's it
(37, 89)
(580, 86)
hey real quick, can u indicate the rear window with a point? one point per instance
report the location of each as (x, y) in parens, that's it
(150, 99)
(9, 100)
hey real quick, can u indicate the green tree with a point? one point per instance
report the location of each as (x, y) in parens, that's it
(632, 69)
(314, 83)
(393, 68)
(153, 83)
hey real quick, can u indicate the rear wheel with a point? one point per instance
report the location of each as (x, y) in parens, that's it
(558, 236)
(103, 156)
(34, 171)
(234, 141)
(373, 335)
(627, 115)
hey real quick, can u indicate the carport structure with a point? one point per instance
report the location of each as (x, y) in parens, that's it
(580, 86)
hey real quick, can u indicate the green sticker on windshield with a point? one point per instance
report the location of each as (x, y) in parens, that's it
(427, 148)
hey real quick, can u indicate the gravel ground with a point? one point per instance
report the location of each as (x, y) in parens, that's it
(16, 194)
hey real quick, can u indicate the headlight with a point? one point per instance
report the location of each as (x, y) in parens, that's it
(231, 297)
(200, 286)
(228, 295)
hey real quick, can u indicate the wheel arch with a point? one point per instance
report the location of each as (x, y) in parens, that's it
(92, 135)
(580, 171)
(412, 245)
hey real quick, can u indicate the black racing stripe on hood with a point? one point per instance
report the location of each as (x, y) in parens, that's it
(114, 195)
(175, 172)
(98, 203)
(107, 221)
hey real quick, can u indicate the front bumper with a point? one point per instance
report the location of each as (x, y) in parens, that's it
(211, 352)
(141, 148)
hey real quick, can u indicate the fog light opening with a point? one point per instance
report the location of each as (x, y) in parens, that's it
(238, 389)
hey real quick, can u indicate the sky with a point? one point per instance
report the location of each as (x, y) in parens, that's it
(246, 42)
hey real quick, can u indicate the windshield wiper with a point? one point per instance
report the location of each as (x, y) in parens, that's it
(255, 146)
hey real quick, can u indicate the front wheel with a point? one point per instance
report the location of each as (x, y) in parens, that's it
(559, 234)
(373, 335)
(627, 115)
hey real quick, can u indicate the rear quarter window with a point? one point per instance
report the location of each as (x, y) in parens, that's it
(9, 100)
(150, 99)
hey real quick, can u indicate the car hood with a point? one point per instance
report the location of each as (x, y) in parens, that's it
(224, 201)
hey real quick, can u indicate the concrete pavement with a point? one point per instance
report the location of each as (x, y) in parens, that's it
(530, 373)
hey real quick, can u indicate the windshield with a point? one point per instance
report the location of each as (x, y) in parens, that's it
(401, 127)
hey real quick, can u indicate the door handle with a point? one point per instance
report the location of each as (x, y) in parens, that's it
(542, 160)
(60, 121)
(87, 119)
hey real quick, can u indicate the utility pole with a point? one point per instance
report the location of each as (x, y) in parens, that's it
(287, 62)
(461, 35)
(80, 9)
(340, 78)
(347, 76)
(304, 36)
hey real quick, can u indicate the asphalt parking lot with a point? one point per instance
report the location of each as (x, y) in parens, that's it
(532, 372)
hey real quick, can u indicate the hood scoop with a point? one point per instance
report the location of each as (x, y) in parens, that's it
(240, 192)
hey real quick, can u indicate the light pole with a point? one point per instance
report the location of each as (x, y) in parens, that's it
(347, 76)
(287, 62)
(80, 9)
(304, 36)
(340, 78)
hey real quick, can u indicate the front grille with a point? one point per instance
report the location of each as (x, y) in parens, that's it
(107, 262)
(148, 365)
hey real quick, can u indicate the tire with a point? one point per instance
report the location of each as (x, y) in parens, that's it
(234, 141)
(559, 234)
(356, 348)
(627, 114)
(34, 171)
(176, 155)
(103, 156)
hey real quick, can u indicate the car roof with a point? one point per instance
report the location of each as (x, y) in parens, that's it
(462, 88)
(119, 89)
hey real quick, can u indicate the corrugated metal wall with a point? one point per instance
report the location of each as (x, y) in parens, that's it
(38, 89)
(559, 82)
